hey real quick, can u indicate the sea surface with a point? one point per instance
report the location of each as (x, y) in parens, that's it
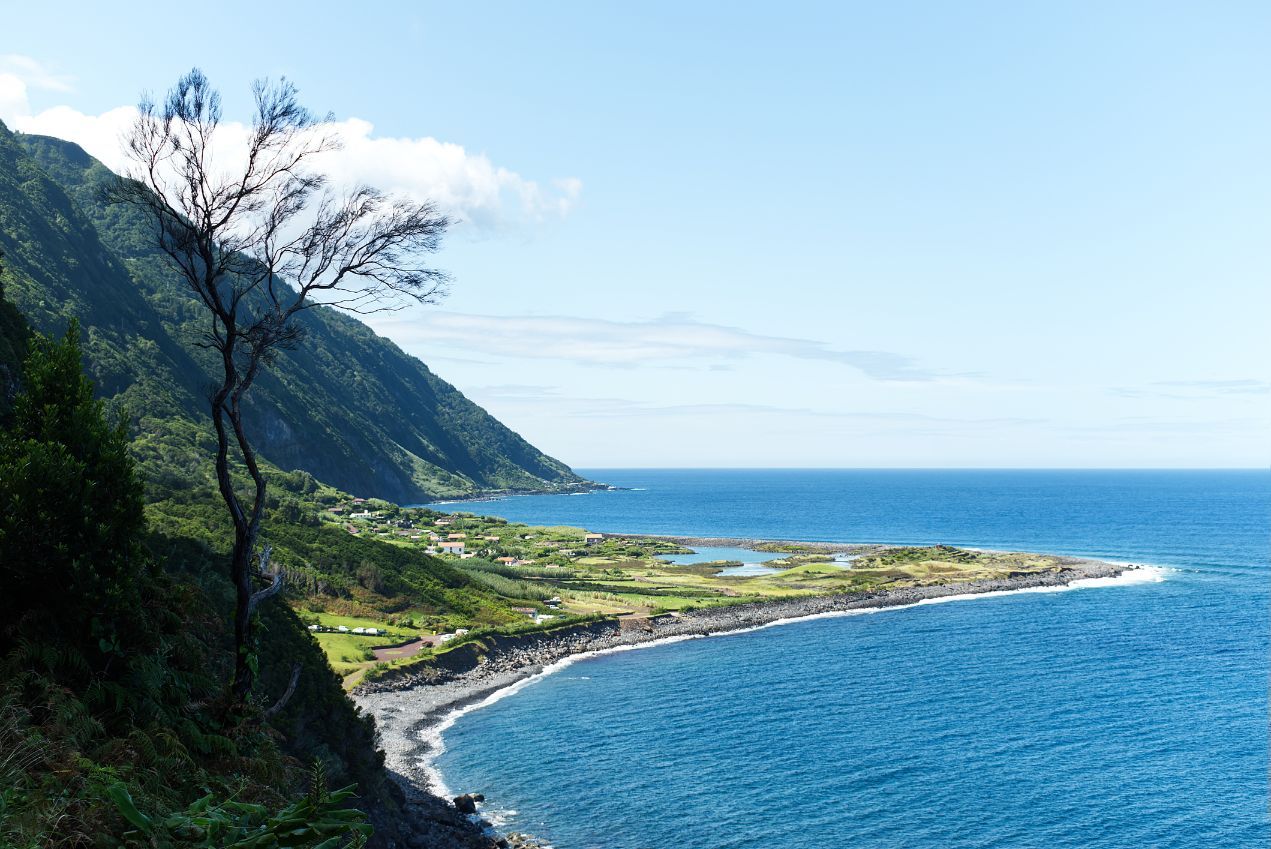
(1130, 715)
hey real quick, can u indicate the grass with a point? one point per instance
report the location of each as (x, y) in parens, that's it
(348, 653)
(623, 576)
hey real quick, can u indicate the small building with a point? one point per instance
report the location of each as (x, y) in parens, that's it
(444, 522)
(359, 501)
(553, 602)
(313, 627)
(594, 539)
(456, 536)
(490, 538)
(343, 629)
(528, 611)
(359, 630)
(511, 561)
(451, 546)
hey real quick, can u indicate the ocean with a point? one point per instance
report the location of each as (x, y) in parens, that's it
(1124, 715)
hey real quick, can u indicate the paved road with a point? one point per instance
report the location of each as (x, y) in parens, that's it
(404, 651)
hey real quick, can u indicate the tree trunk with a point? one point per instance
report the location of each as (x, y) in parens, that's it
(245, 532)
(246, 597)
(241, 575)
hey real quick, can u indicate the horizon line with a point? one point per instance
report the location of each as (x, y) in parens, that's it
(926, 468)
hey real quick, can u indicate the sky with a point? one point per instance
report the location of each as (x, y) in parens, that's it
(781, 235)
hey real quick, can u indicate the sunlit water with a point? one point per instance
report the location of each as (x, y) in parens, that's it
(1131, 715)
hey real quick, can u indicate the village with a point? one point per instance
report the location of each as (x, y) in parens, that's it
(534, 568)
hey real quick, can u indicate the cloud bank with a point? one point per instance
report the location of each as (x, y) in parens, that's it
(484, 197)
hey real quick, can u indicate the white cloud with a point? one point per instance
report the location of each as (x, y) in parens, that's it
(34, 72)
(463, 183)
(485, 197)
(13, 98)
(18, 76)
(673, 338)
(1190, 390)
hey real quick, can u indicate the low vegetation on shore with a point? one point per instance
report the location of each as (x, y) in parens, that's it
(534, 578)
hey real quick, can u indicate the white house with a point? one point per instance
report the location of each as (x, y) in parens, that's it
(454, 546)
(343, 629)
(594, 539)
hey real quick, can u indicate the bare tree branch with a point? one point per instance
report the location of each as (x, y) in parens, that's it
(257, 245)
(287, 694)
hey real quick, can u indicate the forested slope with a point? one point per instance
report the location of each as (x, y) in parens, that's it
(348, 406)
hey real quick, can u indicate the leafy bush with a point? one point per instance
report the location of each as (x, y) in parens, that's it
(314, 821)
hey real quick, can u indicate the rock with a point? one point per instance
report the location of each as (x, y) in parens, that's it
(477, 797)
(466, 804)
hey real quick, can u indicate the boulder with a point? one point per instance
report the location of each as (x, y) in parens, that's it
(466, 804)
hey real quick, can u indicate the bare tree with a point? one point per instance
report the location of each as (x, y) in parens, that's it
(257, 244)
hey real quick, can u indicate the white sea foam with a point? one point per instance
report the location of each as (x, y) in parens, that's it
(433, 734)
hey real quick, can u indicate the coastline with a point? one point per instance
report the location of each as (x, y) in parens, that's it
(412, 709)
(484, 495)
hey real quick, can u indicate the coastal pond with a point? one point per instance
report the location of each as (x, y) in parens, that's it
(752, 562)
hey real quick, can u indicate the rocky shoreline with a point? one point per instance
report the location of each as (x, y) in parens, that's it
(484, 495)
(408, 706)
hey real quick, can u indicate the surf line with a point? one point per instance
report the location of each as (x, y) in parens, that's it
(433, 737)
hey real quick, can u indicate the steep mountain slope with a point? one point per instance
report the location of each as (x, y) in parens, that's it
(348, 406)
(13, 339)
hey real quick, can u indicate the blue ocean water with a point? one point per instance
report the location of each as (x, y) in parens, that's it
(1124, 716)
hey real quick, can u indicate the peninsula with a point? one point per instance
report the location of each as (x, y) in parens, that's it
(601, 592)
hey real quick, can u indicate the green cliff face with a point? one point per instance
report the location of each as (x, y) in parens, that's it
(348, 406)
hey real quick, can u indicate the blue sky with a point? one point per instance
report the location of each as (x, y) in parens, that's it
(902, 234)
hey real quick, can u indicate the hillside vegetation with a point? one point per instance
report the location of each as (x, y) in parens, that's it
(348, 406)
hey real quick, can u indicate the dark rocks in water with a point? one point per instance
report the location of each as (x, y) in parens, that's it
(466, 804)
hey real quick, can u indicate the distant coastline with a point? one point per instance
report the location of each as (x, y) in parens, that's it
(413, 706)
(581, 488)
